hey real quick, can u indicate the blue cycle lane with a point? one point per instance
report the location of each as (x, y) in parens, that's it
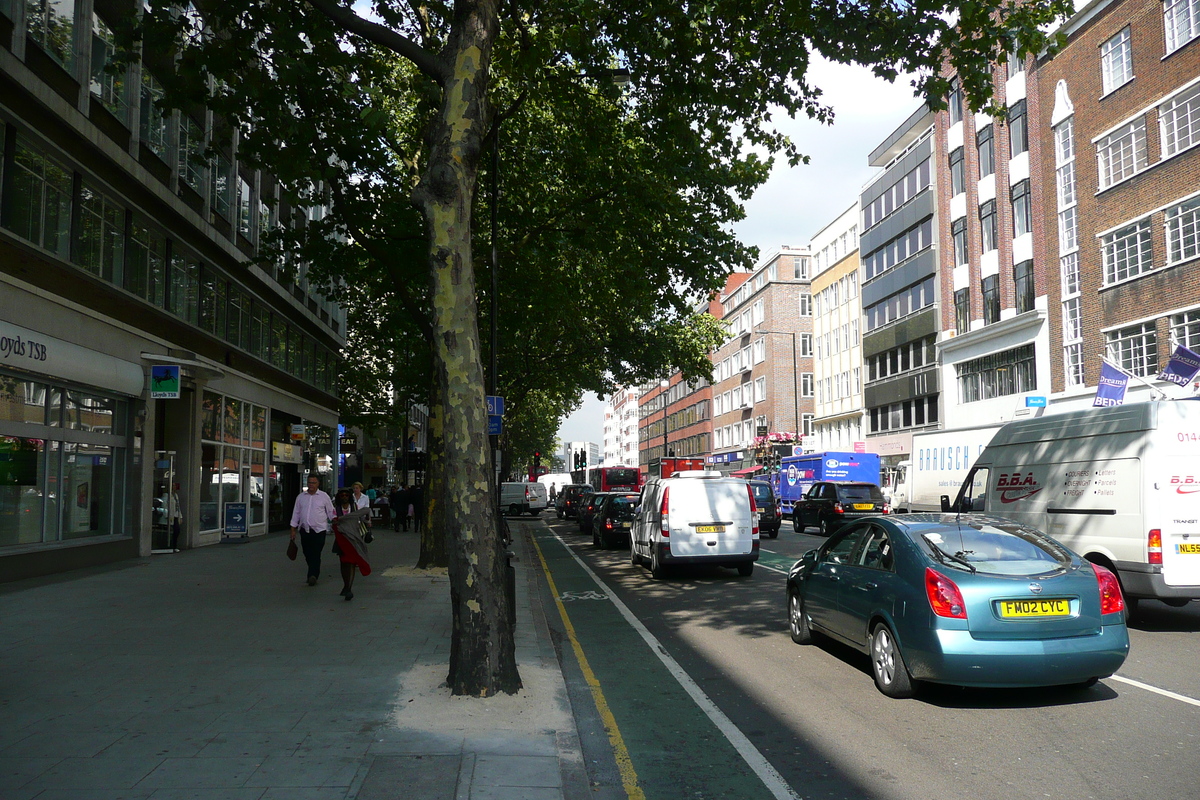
(665, 744)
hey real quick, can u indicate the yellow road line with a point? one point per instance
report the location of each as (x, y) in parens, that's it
(620, 751)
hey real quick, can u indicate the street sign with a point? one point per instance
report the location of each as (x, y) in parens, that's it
(495, 424)
(495, 405)
(164, 382)
(235, 518)
(299, 430)
(349, 443)
(1035, 401)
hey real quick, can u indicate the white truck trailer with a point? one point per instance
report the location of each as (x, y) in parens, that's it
(939, 462)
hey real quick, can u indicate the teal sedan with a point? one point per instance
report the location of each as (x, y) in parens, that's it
(968, 600)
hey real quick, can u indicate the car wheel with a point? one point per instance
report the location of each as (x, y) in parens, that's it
(797, 620)
(657, 569)
(1089, 683)
(746, 570)
(887, 664)
(514, 510)
(824, 528)
(596, 540)
(774, 534)
(796, 524)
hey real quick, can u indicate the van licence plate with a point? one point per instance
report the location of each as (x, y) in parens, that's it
(710, 529)
(1049, 607)
(1189, 549)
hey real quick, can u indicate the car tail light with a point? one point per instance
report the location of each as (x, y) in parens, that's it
(1154, 546)
(944, 597)
(838, 508)
(666, 526)
(753, 512)
(528, 494)
(1111, 600)
(608, 524)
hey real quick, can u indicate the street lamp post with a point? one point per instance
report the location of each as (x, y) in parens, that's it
(795, 377)
(664, 384)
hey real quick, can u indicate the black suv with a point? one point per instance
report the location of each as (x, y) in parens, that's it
(568, 499)
(769, 515)
(830, 505)
(613, 519)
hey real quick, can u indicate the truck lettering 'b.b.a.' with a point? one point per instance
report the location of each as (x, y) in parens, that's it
(798, 473)
(1118, 485)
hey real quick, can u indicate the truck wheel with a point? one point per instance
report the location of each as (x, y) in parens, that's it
(514, 510)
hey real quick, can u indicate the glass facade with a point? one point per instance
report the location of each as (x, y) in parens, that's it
(233, 457)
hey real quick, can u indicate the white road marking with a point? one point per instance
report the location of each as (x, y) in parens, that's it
(1181, 698)
(774, 782)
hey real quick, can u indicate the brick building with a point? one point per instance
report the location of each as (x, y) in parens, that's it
(757, 373)
(1119, 128)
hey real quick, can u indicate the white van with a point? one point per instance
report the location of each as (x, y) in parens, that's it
(519, 498)
(695, 517)
(1120, 486)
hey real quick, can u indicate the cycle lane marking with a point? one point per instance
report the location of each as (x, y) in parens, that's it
(754, 759)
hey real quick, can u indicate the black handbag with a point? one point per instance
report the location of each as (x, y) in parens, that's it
(292, 550)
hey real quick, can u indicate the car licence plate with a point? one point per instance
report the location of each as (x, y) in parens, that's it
(710, 529)
(864, 506)
(1050, 607)
(626, 524)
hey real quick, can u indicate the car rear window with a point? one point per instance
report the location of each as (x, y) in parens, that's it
(1000, 550)
(861, 494)
(622, 507)
(761, 493)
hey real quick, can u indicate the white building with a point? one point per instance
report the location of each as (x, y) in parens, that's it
(621, 428)
(837, 379)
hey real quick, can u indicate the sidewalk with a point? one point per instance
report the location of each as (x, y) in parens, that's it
(217, 674)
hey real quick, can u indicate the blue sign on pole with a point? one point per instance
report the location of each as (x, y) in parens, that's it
(495, 425)
(1035, 401)
(235, 518)
(495, 405)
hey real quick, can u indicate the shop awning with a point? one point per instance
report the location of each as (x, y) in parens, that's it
(745, 473)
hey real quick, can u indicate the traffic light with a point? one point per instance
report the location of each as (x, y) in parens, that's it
(537, 460)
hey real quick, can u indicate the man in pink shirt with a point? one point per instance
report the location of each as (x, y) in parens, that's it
(311, 516)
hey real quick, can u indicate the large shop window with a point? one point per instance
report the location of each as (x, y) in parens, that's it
(233, 446)
(63, 462)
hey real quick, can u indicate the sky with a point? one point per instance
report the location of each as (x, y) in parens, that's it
(796, 202)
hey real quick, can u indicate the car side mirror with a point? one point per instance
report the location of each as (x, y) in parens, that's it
(945, 503)
(967, 505)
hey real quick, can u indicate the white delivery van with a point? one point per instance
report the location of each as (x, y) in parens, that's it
(695, 517)
(519, 498)
(1120, 486)
(940, 460)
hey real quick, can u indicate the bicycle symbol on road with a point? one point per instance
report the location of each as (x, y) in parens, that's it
(567, 597)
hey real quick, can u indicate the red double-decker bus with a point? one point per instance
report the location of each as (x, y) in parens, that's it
(615, 479)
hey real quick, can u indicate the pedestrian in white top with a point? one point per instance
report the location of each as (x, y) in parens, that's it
(362, 500)
(311, 516)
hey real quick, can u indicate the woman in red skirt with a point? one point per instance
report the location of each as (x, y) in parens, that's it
(349, 545)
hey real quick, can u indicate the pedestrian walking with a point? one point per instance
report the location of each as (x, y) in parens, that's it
(553, 493)
(399, 502)
(310, 516)
(361, 499)
(350, 534)
(176, 514)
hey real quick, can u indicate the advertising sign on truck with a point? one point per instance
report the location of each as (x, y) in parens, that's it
(939, 462)
(797, 473)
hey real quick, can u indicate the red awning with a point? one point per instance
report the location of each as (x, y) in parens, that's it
(743, 473)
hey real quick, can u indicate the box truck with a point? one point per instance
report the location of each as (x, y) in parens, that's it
(939, 462)
(1120, 486)
(797, 473)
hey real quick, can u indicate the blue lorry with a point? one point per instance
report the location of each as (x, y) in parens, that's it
(797, 473)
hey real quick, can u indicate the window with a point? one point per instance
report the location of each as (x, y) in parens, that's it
(106, 85)
(991, 299)
(1073, 364)
(1018, 131)
(806, 384)
(955, 101)
(805, 304)
(1135, 349)
(987, 153)
(51, 23)
(1016, 64)
(1181, 19)
(760, 390)
(806, 344)
(1126, 252)
(987, 225)
(40, 209)
(244, 207)
(146, 267)
(912, 241)
(759, 311)
(806, 426)
(958, 231)
(1183, 231)
(101, 249)
(1021, 212)
(185, 290)
(1064, 155)
(962, 311)
(997, 375)
(1179, 122)
(760, 351)
(191, 148)
(1023, 281)
(154, 122)
(1072, 320)
(1116, 61)
(222, 183)
(958, 183)
(907, 301)
(1122, 153)
(1185, 329)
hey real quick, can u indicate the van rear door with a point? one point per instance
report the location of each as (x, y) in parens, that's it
(709, 517)
(1177, 515)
